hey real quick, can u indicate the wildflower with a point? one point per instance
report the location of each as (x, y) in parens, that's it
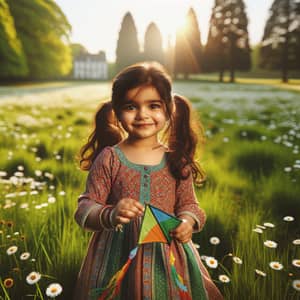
(288, 219)
(62, 193)
(8, 283)
(38, 173)
(270, 225)
(296, 263)
(197, 246)
(51, 199)
(296, 284)
(237, 260)
(33, 277)
(270, 244)
(24, 255)
(257, 230)
(275, 265)
(214, 240)
(261, 227)
(211, 262)
(287, 169)
(224, 278)
(53, 290)
(261, 273)
(296, 242)
(12, 250)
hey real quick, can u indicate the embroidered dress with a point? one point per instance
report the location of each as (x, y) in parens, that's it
(113, 177)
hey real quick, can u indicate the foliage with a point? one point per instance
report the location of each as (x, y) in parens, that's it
(281, 40)
(153, 50)
(13, 62)
(127, 51)
(43, 30)
(227, 45)
(188, 48)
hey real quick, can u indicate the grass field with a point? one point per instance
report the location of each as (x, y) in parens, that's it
(251, 196)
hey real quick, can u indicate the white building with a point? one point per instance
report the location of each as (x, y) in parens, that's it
(90, 66)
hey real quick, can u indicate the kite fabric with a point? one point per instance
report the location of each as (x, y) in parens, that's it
(156, 227)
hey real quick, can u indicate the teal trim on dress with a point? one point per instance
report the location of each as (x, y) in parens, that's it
(145, 170)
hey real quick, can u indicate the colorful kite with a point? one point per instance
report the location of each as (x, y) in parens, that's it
(156, 227)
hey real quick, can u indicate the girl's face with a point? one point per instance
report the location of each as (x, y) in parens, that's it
(143, 113)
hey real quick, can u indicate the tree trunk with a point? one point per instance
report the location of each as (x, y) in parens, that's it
(232, 77)
(285, 46)
(221, 75)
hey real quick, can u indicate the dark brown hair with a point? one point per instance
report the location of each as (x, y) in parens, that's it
(180, 137)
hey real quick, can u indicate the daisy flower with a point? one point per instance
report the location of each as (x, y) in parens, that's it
(296, 263)
(270, 225)
(12, 250)
(211, 262)
(258, 230)
(270, 244)
(8, 283)
(24, 255)
(53, 290)
(275, 265)
(33, 277)
(214, 240)
(237, 260)
(224, 278)
(288, 219)
(296, 285)
(296, 242)
(261, 273)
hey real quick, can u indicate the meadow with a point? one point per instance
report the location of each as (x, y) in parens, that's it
(251, 242)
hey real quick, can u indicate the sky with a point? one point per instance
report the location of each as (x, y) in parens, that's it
(96, 23)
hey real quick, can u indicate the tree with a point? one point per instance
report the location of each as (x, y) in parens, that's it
(43, 30)
(77, 49)
(12, 58)
(227, 45)
(127, 51)
(153, 49)
(280, 45)
(188, 47)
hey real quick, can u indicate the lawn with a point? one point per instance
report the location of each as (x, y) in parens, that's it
(251, 195)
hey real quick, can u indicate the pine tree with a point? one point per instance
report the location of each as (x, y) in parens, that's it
(280, 45)
(12, 58)
(127, 51)
(188, 47)
(153, 48)
(43, 30)
(227, 45)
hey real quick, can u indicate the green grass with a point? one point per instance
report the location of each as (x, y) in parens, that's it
(251, 158)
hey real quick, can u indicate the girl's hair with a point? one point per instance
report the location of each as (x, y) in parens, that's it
(179, 136)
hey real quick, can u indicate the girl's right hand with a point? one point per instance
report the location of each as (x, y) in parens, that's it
(127, 209)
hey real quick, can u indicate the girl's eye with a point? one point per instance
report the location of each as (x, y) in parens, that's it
(129, 107)
(155, 106)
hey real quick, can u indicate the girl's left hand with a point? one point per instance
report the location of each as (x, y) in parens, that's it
(183, 233)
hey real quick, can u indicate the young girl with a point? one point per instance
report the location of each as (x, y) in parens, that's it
(141, 151)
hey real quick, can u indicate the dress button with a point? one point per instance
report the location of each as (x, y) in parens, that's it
(146, 168)
(145, 184)
(146, 176)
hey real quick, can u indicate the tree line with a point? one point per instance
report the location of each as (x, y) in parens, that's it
(35, 42)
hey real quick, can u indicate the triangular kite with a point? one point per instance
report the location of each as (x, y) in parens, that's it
(156, 227)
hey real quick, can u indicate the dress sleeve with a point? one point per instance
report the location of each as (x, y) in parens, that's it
(187, 203)
(98, 185)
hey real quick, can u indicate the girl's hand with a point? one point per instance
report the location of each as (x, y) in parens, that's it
(127, 209)
(183, 233)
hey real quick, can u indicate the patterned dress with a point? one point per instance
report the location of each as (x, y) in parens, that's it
(112, 177)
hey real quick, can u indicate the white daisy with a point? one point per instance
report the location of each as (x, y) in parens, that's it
(211, 262)
(214, 240)
(296, 242)
(53, 290)
(288, 219)
(258, 230)
(270, 244)
(261, 273)
(24, 255)
(12, 250)
(296, 285)
(275, 265)
(270, 225)
(237, 260)
(261, 227)
(296, 263)
(33, 277)
(224, 278)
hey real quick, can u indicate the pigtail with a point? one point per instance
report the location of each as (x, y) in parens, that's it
(183, 141)
(106, 132)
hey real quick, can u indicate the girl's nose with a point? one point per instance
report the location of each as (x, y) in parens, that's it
(142, 113)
